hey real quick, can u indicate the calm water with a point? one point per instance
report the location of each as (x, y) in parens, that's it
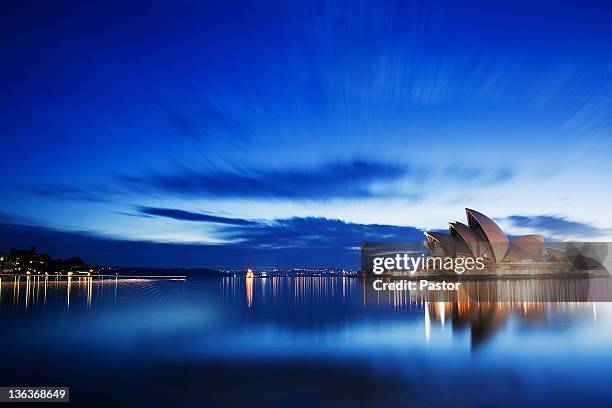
(298, 342)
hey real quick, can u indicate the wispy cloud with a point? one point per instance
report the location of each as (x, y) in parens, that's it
(291, 242)
(480, 175)
(296, 232)
(557, 227)
(351, 179)
(312, 232)
(96, 194)
(183, 215)
(356, 178)
(198, 115)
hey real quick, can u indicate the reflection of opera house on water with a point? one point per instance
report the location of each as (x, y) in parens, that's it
(482, 237)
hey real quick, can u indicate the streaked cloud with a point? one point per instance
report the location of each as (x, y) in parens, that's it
(183, 215)
(295, 232)
(312, 232)
(95, 194)
(353, 179)
(556, 226)
(295, 242)
(349, 179)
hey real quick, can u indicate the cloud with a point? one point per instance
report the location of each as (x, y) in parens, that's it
(350, 179)
(191, 216)
(296, 232)
(311, 232)
(479, 175)
(93, 194)
(199, 115)
(556, 226)
(294, 242)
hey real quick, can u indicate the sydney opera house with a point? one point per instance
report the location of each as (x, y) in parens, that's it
(482, 237)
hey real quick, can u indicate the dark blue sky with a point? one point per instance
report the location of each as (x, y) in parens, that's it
(259, 132)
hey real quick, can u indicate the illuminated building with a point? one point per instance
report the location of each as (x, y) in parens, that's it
(482, 237)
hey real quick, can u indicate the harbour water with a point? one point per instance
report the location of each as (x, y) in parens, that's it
(306, 341)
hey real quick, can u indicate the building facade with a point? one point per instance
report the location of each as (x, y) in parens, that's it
(482, 237)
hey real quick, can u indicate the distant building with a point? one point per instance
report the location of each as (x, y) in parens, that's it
(6, 264)
(29, 261)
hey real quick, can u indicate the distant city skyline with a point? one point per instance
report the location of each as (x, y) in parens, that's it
(190, 134)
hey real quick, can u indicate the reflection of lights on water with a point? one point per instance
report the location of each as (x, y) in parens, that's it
(249, 290)
(36, 290)
(264, 284)
(27, 296)
(427, 324)
(301, 288)
(68, 291)
(18, 287)
(89, 291)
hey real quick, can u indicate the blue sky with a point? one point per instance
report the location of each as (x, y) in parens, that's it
(238, 128)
